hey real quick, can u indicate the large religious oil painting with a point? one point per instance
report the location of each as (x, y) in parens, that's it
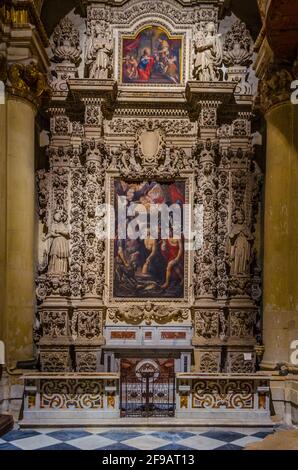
(153, 56)
(149, 254)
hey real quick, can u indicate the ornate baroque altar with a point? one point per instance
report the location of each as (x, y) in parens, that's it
(158, 95)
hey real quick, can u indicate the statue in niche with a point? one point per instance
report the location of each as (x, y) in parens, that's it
(98, 53)
(208, 54)
(239, 245)
(58, 253)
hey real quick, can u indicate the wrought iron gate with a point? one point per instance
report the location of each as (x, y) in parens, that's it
(148, 390)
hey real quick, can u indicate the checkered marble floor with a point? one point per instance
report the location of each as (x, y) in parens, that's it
(141, 439)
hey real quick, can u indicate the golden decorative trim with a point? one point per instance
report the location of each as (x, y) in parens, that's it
(23, 13)
(27, 81)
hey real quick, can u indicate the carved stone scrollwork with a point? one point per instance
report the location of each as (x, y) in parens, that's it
(209, 362)
(87, 324)
(54, 323)
(217, 394)
(93, 115)
(168, 126)
(242, 324)
(206, 324)
(206, 181)
(77, 183)
(131, 162)
(210, 325)
(60, 125)
(238, 55)
(94, 196)
(147, 313)
(238, 364)
(43, 190)
(55, 360)
(52, 285)
(222, 223)
(86, 362)
(76, 393)
(165, 7)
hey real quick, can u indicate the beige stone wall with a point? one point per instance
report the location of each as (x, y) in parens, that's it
(280, 240)
(3, 111)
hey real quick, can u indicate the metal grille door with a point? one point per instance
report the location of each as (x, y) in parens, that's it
(148, 389)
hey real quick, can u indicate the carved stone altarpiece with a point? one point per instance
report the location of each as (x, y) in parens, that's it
(197, 130)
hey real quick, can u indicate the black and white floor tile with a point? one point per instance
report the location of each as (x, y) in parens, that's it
(140, 439)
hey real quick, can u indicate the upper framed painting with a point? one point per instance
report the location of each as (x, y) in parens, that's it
(152, 57)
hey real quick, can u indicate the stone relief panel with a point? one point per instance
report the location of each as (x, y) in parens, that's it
(87, 324)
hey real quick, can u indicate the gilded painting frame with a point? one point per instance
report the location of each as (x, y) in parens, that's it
(112, 300)
(163, 28)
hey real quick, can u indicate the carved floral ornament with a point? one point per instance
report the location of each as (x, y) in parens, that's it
(133, 164)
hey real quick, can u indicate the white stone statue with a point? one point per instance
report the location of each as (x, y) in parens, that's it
(99, 52)
(239, 245)
(58, 253)
(208, 54)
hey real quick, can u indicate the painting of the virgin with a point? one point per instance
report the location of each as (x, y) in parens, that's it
(152, 57)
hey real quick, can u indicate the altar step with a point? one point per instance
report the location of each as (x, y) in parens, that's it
(148, 423)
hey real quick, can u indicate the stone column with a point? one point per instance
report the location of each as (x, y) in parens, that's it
(280, 316)
(3, 111)
(17, 227)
